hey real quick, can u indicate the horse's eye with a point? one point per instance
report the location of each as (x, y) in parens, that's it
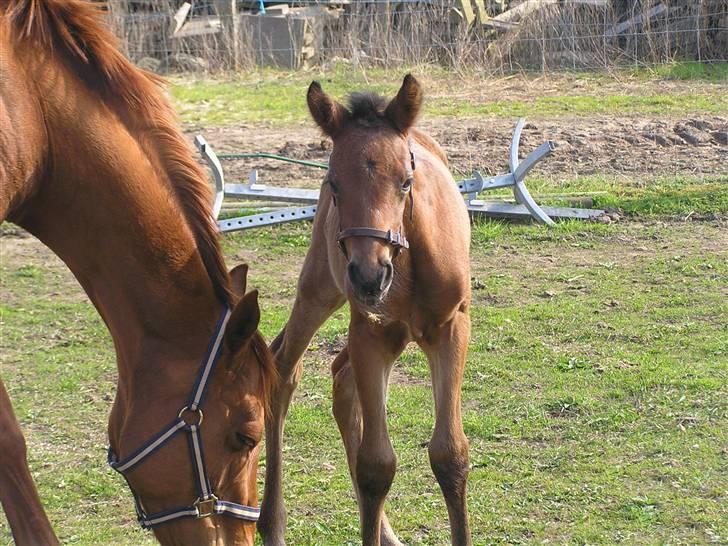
(333, 186)
(243, 442)
(407, 184)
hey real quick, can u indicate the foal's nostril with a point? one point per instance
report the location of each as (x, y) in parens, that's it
(388, 273)
(353, 272)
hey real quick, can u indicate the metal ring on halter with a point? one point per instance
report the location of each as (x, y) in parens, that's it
(187, 408)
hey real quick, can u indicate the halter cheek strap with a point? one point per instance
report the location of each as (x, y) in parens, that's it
(189, 419)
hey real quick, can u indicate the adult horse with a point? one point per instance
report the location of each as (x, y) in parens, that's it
(92, 163)
(391, 236)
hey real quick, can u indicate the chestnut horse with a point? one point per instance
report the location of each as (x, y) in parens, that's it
(391, 235)
(92, 163)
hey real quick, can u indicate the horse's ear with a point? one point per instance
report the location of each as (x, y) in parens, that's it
(239, 279)
(326, 112)
(243, 322)
(404, 108)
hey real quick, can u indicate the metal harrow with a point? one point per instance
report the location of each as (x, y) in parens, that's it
(525, 207)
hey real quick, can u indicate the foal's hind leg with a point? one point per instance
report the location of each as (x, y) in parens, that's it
(446, 349)
(372, 351)
(316, 298)
(347, 411)
(18, 495)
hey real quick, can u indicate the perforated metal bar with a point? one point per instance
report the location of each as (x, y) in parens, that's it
(279, 216)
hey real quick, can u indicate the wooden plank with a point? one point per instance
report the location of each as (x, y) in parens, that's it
(482, 14)
(596, 3)
(636, 20)
(510, 19)
(523, 9)
(179, 17)
(468, 12)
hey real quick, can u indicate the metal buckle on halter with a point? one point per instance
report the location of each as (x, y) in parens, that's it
(395, 238)
(205, 508)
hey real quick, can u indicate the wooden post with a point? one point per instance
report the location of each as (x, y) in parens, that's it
(228, 12)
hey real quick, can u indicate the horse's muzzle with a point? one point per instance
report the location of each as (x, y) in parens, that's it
(370, 284)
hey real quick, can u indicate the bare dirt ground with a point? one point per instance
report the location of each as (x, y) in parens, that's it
(635, 146)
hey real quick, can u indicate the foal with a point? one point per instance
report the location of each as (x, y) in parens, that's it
(391, 236)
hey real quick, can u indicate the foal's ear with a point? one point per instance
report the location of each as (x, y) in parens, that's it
(326, 112)
(239, 279)
(404, 108)
(243, 322)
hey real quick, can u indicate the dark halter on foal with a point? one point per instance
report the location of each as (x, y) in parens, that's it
(393, 238)
(188, 419)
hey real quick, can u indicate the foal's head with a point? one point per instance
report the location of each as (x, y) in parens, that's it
(371, 176)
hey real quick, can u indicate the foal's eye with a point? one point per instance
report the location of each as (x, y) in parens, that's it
(407, 184)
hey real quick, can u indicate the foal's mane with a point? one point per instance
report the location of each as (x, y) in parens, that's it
(368, 109)
(76, 31)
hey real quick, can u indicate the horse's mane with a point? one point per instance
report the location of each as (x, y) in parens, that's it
(76, 30)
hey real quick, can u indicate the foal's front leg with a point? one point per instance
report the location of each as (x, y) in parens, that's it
(347, 411)
(372, 352)
(18, 495)
(316, 298)
(446, 350)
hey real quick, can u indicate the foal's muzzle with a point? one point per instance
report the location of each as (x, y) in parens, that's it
(370, 284)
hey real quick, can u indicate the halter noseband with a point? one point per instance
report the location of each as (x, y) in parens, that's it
(392, 238)
(207, 504)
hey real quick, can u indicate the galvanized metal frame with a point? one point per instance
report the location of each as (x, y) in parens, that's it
(524, 207)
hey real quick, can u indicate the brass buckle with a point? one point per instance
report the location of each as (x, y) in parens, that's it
(205, 508)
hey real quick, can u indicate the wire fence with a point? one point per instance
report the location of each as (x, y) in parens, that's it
(497, 36)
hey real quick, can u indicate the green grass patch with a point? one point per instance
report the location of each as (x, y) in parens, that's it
(594, 396)
(686, 71)
(639, 196)
(279, 97)
(580, 106)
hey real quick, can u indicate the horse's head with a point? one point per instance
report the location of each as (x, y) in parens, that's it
(173, 478)
(371, 176)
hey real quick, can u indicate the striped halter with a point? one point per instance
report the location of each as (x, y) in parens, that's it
(189, 419)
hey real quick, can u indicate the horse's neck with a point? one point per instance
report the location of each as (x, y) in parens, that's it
(108, 213)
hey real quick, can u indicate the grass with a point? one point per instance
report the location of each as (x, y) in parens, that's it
(596, 385)
(594, 397)
(687, 71)
(637, 195)
(278, 97)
